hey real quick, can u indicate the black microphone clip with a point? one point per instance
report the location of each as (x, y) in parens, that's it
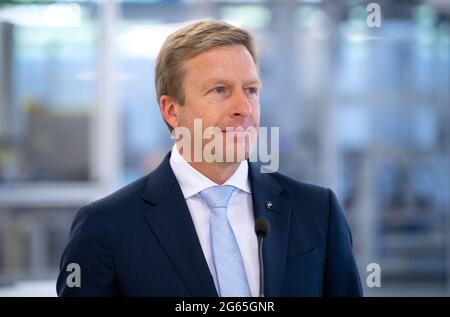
(262, 228)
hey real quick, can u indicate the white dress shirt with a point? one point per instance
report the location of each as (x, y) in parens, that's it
(240, 214)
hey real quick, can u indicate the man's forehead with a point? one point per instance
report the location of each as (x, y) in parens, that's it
(212, 67)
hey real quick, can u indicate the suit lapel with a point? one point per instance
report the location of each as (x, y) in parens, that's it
(268, 203)
(169, 218)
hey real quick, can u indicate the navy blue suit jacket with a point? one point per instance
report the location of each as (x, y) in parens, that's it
(141, 241)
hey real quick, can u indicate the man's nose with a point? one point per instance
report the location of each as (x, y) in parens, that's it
(241, 105)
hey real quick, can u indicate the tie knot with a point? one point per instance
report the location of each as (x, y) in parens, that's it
(217, 196)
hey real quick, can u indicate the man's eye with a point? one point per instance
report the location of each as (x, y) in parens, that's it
(252, 90)
(218, 90)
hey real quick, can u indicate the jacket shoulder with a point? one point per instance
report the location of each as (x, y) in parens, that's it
(125, 198)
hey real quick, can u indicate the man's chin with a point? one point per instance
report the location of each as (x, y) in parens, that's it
(236, 152)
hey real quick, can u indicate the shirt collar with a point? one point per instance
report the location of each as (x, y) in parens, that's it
(192, 181)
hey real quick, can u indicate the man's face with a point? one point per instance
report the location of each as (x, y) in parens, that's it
(221, 87)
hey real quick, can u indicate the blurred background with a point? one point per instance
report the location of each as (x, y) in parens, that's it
(363, 110)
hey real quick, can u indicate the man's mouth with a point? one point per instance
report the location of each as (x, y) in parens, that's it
(235, 132)
(235, 129)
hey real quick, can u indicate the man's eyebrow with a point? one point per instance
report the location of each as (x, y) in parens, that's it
(217, 81)
(253, 81)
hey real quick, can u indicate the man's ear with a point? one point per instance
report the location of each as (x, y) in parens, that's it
(170, 110)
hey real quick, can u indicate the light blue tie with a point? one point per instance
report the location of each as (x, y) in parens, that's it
(227, 258)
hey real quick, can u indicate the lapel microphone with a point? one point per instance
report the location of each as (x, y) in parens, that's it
(262, 228)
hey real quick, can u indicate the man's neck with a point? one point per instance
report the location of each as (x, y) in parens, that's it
(217, 172)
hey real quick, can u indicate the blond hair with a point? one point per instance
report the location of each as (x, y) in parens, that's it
(188, 42)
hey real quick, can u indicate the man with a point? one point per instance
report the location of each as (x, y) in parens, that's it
(187, 229)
